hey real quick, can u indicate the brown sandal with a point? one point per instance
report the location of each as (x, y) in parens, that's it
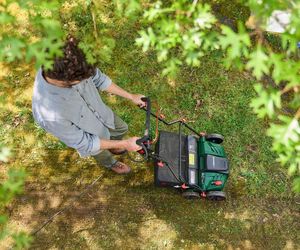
(120, 168)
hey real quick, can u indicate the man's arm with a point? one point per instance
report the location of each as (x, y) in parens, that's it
(129, 144)
(86, 144)
(116, 90)
(104, 83)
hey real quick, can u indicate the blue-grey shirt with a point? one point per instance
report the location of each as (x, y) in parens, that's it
(77, 115)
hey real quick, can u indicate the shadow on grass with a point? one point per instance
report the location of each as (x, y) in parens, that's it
(128, 212)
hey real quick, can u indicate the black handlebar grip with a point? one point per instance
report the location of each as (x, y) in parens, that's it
(139, 142)
(144, 99)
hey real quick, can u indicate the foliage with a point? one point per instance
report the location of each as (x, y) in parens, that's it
(181, 32)
(30, 30)
(179, 26)
(12, 186)
(86, 19)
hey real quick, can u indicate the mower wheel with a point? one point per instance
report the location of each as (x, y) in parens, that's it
(216, 195)
(215, 138)
(191, 195)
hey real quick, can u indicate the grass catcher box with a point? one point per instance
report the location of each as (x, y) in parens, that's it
(167, 148)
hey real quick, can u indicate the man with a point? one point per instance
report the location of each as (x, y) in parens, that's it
(66, 103)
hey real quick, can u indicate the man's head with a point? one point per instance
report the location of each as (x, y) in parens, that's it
(72, 66)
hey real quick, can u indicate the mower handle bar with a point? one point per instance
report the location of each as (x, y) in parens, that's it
(145, 140)
(149, 112)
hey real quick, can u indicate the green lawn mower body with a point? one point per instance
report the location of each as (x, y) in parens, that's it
(214, 167)
(196, 163)
(201, 167)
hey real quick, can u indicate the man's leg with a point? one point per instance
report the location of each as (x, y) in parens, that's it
(105, 157)
(120, 130)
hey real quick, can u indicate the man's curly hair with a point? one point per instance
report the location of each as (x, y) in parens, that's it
(72, 66)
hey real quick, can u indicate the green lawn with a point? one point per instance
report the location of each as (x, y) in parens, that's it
(128, 212)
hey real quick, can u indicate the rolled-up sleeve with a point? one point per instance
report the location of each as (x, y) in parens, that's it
(86, 144)
(101, 80)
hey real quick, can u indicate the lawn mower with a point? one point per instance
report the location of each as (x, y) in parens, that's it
(196, 164)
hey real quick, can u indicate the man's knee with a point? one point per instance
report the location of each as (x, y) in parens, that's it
(120, 131)
(121, 128)
(124, 128)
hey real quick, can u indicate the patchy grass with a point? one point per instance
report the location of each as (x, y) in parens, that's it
(128, 212)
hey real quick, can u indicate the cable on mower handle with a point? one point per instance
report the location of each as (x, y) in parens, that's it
(145, 141)
(161, 119)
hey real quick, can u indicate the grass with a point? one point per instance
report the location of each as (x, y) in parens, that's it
(128, 212)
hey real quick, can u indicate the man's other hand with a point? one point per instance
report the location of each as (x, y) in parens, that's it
(130, 144)
(136, 99)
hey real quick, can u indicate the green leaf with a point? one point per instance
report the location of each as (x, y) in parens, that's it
(50, 24)
(13, 185)
(3, 97)
(156, 11)
(291, 73)
(22, 240)
(128, 8)
(292, 169)
(266, 101)
(289, 43)
(193, 58)
(279, 66)
(4, 232)
(11, 48)
(171, 67)
(43, 52)
(88, 51)
(146, 39)
(3, 219)
(258, 62)
(236, 43)
(286, 132)
(6, 18)
(35, 51)
(203, 18)
(162, 55)
(295, 103)
(296, 185)
(42, 6)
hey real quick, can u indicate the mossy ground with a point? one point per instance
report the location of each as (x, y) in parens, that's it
(128, 212)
